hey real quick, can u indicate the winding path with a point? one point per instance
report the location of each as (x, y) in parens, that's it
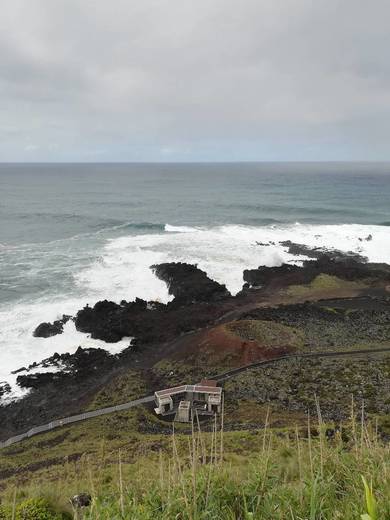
(148, 399)
(330, 354)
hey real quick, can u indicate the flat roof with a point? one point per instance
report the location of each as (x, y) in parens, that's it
(199, 388)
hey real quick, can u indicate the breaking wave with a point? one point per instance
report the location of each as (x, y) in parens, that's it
(118, 267)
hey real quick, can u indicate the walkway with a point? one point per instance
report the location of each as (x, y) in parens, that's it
(221, 377)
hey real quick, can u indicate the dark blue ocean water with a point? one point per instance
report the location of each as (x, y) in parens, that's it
(44, 202)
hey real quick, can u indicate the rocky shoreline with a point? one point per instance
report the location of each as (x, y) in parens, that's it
(198, 304)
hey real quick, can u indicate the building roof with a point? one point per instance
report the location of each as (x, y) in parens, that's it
(199, 388)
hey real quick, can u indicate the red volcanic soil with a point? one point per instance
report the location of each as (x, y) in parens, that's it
(229, 346)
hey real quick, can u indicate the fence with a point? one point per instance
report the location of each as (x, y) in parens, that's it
(74, 418)
(221, 377)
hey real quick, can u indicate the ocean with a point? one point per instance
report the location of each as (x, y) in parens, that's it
(72, 234)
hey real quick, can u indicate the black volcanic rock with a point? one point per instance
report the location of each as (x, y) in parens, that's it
(147, 322)
(4, 388)
(317, 252)
(36, 380)
(345, 267)
(263, 275)
(46, 330)
(103, 321)
(86, 361)
(109, 321)
(81, 500)
(80, 365)
(150, 322)
(189, 284)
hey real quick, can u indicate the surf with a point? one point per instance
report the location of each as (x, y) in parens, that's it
(120, 269)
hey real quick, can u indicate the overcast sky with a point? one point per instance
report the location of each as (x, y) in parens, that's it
(194, 80)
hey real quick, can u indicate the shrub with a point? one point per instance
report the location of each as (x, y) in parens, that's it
(37, 509)
(5, 513)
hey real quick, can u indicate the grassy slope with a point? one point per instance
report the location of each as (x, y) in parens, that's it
(273, 474)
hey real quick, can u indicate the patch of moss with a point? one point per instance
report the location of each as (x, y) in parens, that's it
(322, 282)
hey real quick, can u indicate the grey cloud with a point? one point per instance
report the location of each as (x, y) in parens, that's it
(189, 80)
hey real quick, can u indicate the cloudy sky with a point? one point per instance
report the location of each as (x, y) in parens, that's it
(203, 80)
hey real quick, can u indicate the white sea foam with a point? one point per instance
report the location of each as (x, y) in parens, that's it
(20, 349)
(179, 229)
(122, 271)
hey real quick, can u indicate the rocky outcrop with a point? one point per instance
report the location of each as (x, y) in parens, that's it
(317, 252)
(81, 500)
(264, 275)
(4, 389)
(80, 365)
(152, 322)
(111, 322)
(37, 380)
(343, 267)
(46, 330)
(145, 322)
(102, 321)
(189, 284)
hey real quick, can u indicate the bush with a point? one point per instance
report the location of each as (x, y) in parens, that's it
(36, 509)
(5, 513)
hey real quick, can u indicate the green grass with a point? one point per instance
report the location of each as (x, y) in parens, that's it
(127, 386)
(322, 282)
(265, 474)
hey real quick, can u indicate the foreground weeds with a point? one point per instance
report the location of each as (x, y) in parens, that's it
(310, 474)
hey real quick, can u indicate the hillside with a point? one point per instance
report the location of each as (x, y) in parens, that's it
(325, 308)
(309, 472)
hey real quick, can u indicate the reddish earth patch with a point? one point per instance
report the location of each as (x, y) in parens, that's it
(219, 346)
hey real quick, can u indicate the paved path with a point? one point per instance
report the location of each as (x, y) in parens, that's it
(220, 377)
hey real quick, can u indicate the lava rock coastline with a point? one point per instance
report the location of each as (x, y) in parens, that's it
(188, 284)
(344, 267)
(198, 303)
(46, 330)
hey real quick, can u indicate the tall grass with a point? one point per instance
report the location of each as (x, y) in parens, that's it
(294, 475)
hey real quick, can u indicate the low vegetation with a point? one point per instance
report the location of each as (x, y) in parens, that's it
(311, 472)
(323, 283)
(267, 333)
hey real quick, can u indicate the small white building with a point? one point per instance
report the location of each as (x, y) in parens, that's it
(204, 397)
